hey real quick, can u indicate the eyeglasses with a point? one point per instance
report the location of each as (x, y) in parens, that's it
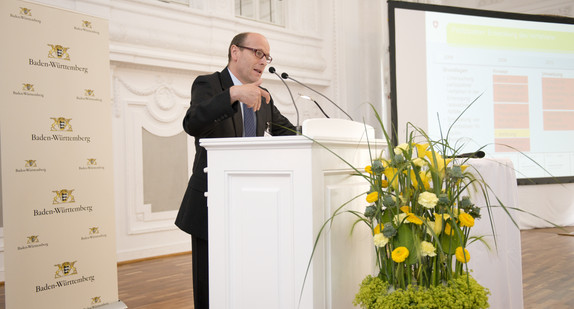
(258, 53)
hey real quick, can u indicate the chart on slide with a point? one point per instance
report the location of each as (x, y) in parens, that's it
(524, 81)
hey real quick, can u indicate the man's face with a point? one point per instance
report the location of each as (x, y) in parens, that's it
(244, 64)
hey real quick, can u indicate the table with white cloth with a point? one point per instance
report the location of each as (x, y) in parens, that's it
(500, 268)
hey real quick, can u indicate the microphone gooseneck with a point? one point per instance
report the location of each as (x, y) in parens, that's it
(313, 100)
(286, 76)
(273, 71)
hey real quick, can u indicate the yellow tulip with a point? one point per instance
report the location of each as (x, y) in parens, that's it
(390, 173)
(411, 217)
(378, 229)
(422, 149)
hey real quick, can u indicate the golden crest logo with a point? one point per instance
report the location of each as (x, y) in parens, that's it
(91, 164)
(89, 95)
(32, 241)
(30, 166)
(27, 90)
(94, 233)
(94, 230)
(25, 14)
(65, 269)
(25, 11)
(58, 52)
(96, 300)
(61, 124)
(87, 27)
(63, 196)
(28, 87)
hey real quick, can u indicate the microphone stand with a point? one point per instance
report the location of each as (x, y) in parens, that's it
(298, 127)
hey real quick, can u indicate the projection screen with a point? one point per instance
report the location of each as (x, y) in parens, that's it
(517, 68)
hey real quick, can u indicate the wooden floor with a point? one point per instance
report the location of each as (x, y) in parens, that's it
(547, 275)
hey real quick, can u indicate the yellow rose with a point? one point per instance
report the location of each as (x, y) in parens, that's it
(384, 183)
(400, 254)
(369, 169)
(462, 255)
(372, 197)
(466, 219)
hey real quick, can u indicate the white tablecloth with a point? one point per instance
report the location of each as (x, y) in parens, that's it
(499, 269)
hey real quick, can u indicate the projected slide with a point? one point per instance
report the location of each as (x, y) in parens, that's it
(524, 72)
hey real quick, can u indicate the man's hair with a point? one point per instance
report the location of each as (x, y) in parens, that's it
(237, 40)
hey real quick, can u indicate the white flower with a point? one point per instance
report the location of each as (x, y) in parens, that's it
(428, 199)
(380, 240)
(419, 162)
(400, 148)
(427, 249)
(398, 219)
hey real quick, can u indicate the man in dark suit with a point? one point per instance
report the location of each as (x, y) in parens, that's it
(220, 103)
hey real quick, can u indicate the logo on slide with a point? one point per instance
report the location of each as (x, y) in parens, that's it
(58, 52)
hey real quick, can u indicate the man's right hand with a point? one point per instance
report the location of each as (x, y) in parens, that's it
(249, 94)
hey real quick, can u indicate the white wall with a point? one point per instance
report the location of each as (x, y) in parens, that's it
(156, 51)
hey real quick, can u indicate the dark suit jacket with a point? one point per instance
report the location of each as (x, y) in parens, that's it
(211, 115)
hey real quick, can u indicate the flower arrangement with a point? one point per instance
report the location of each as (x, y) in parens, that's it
(420, 222)
(421, 218)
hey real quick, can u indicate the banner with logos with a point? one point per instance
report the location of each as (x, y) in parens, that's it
(56, 158)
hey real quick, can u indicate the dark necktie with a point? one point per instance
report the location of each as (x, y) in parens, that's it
(248, 121)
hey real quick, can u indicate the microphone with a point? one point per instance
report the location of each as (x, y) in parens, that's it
(477, 154)
(311, 99)
(286, 76)
(273, 71)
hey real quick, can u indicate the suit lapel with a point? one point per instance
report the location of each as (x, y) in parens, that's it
(226, 83)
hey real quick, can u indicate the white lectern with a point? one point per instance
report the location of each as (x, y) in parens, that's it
(268, 199)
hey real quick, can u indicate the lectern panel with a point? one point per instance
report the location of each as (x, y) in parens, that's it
(259, 204)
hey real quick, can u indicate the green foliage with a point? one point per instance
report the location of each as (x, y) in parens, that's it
(459, 293)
